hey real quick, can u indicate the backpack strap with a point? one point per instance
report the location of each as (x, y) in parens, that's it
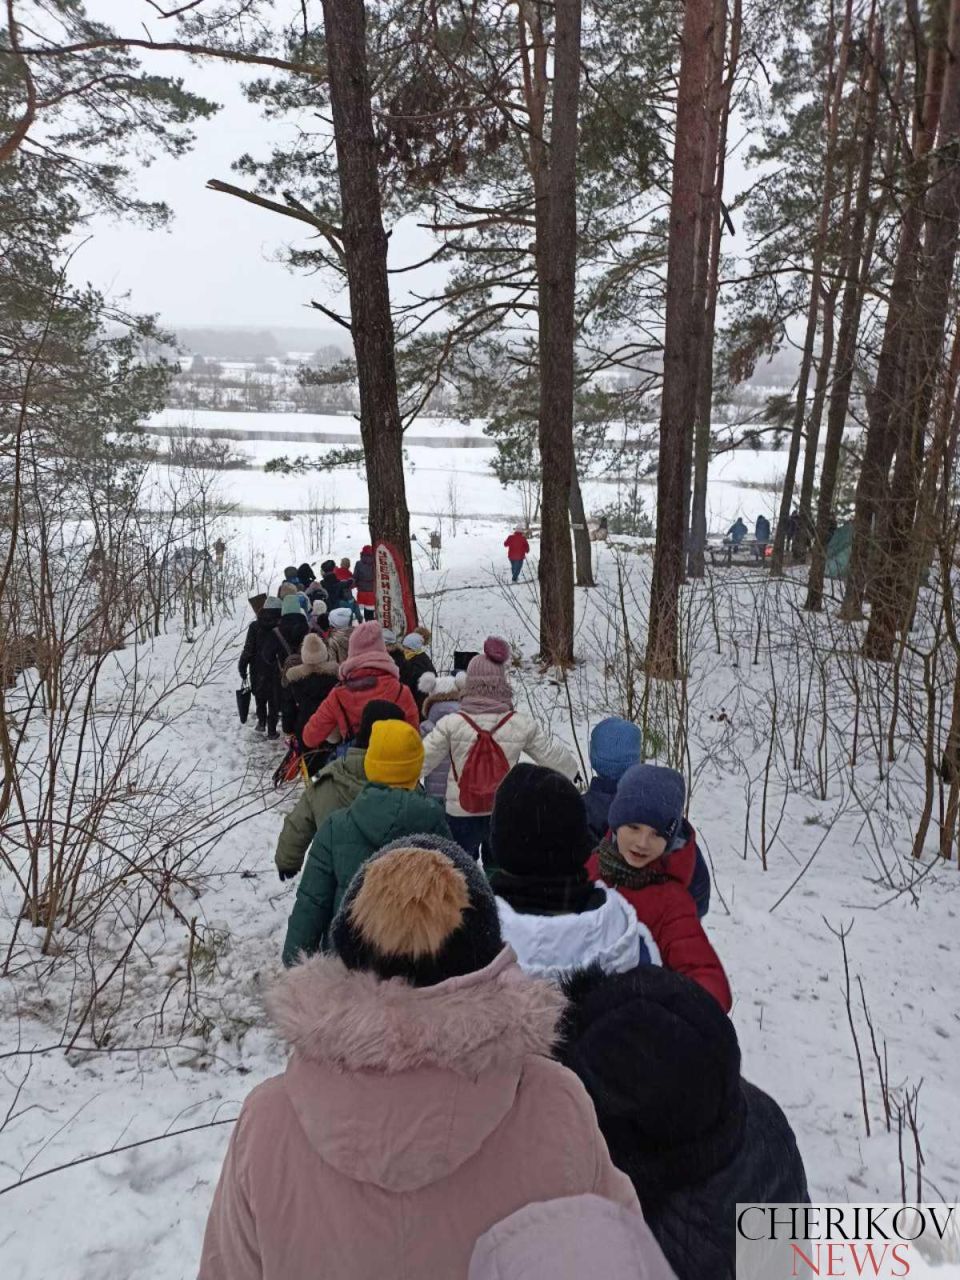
(478, 731)
(283, 640)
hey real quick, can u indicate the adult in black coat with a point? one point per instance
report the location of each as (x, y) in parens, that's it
(660, 1060)
(283, 641)
(257, 664)
(306, 575)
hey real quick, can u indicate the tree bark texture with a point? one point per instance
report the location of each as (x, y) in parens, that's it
(900, 565)
(890, 388)
(557, 353)
(833, 97)
(680, 354)
(719, 88)
(855, 271)
(365, 252)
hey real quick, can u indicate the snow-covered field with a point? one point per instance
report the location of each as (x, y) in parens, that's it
(140, 1211)
(449, 467)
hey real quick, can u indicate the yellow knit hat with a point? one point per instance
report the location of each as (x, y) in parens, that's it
(395, 754)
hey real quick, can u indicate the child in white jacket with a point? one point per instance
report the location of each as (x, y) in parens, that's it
(487, 701)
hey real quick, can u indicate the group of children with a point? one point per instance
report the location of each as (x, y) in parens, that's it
(499, 994)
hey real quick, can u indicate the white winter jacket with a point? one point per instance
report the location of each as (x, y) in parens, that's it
(452, 739)
(548, 946)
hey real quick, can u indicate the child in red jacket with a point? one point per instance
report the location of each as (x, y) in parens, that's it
(518, 548)
(646, 814)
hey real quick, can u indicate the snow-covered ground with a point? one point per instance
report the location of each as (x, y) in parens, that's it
(831, 861)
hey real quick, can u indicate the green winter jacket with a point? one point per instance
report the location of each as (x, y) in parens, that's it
(335, 787)
(341, 846)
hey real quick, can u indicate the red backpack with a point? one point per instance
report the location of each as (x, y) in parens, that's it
(484, 768)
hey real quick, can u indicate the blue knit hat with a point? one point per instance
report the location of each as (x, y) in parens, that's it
(615, 745)
(651, 795)
(291, 604)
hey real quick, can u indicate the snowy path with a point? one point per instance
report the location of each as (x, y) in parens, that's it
(141, 1211)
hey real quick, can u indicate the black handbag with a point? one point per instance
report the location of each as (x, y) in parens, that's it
(244, 694)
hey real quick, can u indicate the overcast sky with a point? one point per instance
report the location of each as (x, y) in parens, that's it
(215, 264)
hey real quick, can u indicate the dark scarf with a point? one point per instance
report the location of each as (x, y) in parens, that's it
(546, 895)
(618, 873)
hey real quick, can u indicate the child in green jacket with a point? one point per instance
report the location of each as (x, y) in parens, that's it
(389, 806)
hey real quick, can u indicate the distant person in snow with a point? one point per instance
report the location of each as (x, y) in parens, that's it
(259, 666)
(363, 577)
(344, 576)
(737, 531)
(282, 642)
(551, 912)
(662, 1064)
(650, 860)
(341, 626)
(420, 1104)
(416, 663)
(761, 534)
(219, 551)
(518, 548)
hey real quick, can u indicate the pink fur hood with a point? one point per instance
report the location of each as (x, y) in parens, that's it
(355, 1021)
(398, 1085)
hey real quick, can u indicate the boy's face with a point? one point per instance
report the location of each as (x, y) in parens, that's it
(344, 563)
(639, 845)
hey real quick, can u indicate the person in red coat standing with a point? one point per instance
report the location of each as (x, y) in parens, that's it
(637, 861)
(518, 548)
(368, 673)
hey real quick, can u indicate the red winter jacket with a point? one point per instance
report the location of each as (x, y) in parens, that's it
(517, 546)
(342, 708)
(670, 914)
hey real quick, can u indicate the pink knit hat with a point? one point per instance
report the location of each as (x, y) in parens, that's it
(486, 677)
(367, 651)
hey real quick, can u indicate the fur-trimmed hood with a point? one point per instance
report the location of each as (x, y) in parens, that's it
(354, 1021)
(398, 1085)
(303, 671)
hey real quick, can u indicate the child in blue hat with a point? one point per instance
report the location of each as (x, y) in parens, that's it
(616, 745)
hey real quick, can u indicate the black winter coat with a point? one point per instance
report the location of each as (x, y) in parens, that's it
(273, 653)
(255, 662)
(695, 1225)
(410, 673)
(303, 691)
(334, 589)
(661, 1061)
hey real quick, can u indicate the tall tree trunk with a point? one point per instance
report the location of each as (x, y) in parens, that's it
(557, 352)
(680, 354)
(719, 89)
(890, 388)
(833, 97)
(365, 253)
(855, 273)
(899, 564)
(801, 544)
(582, 546)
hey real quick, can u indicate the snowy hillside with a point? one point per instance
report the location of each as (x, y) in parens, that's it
(769, 784)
